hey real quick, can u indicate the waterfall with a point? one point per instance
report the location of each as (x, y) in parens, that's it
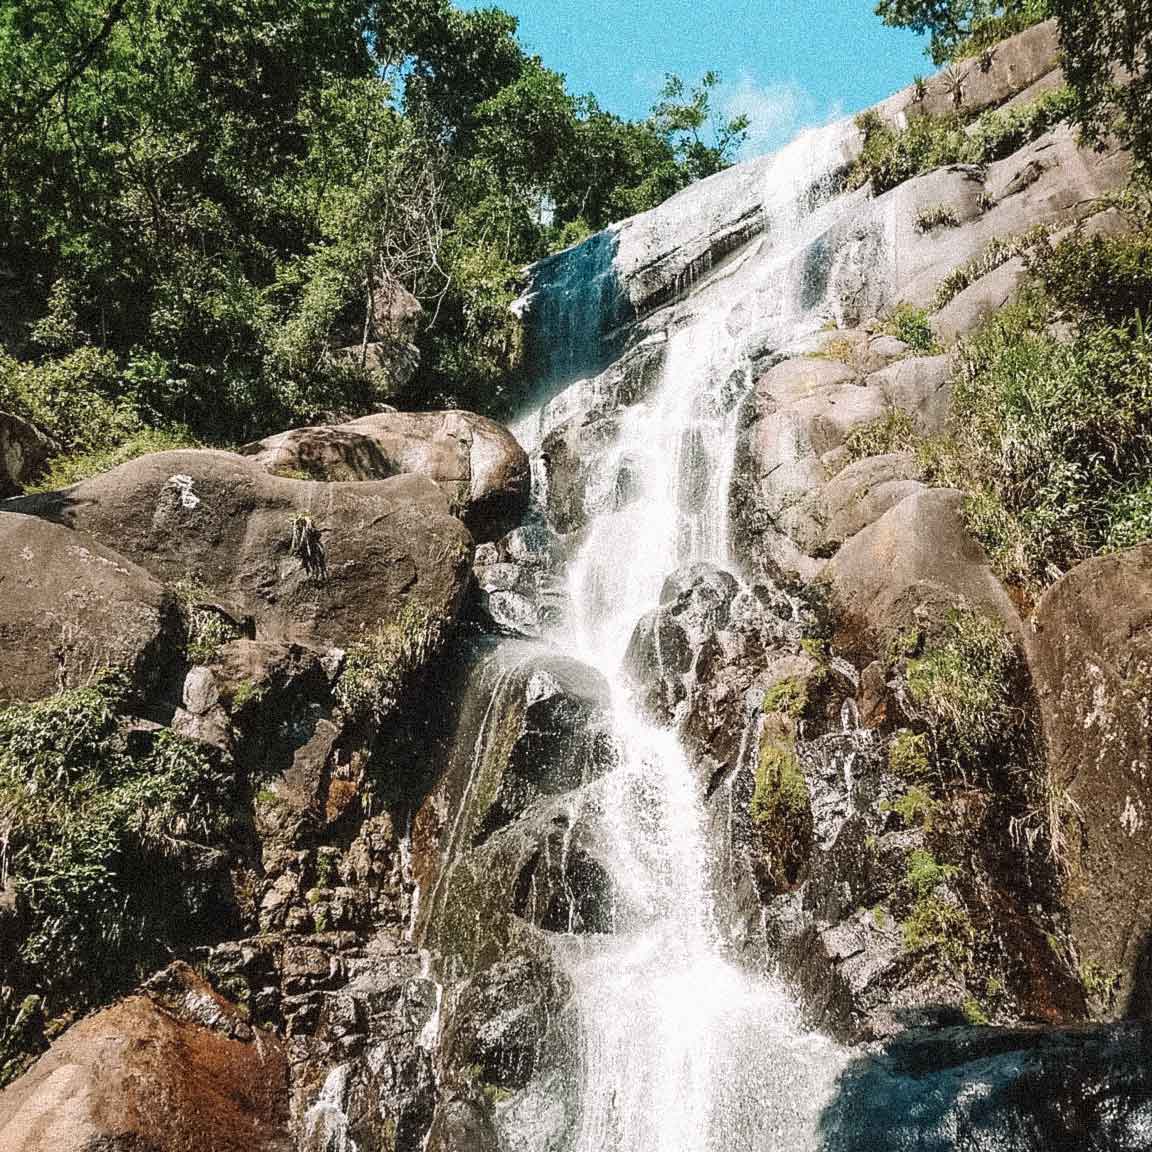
(683, 1051)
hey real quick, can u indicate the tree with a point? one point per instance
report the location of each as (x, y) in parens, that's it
(1108, 63)
(962, 27)
(684, 115)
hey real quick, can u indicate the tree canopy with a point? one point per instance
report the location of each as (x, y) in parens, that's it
(201, 202)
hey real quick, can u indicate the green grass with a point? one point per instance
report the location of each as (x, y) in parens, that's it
(894, 432)
(936, 216)
(909, 755)
(912, 325)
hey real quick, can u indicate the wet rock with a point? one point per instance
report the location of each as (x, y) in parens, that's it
(477, 462)
(462, 1125)
(176, 1068)
(1091, 659)
(312, 564)
(519, 583)
(72, 607)
(970, 1089)
(24, 450)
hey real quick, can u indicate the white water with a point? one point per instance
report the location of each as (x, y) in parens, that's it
(682, 1051)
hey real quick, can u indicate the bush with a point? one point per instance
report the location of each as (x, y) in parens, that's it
(936, 216)
(1001, 132)
(895, 432)
(962, 684)
(1109, 277)
(114, 850)
(911, 325)
(379, 668)
(938, 926)
(1051, 438)
(70, 468)
(889, 155)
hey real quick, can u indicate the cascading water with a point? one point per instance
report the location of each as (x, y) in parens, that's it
(683, 1051)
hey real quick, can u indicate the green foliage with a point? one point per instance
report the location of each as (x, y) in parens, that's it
(788, 697)
(914, 807)
(936, 216)
(960, 28)
(781, 791)
(909, 755)
(1002, 131)
(1102, 985)
(70, 468)
(937, 926)
(1052, 438)
(998, 251)
(113, 849)
(1107, 63)
(890, 155)
(911, 324)
(378, 669)
(962, 683)
(206, 206)
(974, 1012)
(895, 432)
(1107, 277)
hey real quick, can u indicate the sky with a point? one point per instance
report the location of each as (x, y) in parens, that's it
(789, 64)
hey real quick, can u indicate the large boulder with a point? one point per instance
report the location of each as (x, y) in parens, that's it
(72, 607)
(1091, 655)
(972, 1089)
(304, 562)
(175, 1069)
(917, 561)
(477, 462)
(24, 450)
(797, 416)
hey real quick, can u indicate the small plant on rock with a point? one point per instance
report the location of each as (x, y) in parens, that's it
(895, 432)
(936, 216)
(911, 325)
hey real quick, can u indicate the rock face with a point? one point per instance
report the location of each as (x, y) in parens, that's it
(965, 1090)
(477, 462)
(916, 561)
(176, 1068)
(24, 450)
(1091, 655)
(71, 607)
(309, 563)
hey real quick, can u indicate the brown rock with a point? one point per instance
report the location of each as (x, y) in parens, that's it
(176, 1072)
(915, 562)
(69, 607)
(1091, 656)
(978, 302)
(477, 462)
(313, 564)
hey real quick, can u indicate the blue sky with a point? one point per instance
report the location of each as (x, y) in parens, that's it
(787, 63)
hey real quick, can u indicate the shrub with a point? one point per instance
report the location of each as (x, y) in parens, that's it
(789, 697)
(996, 252)
(70, 468)
(938, 926)
(1052, 439)
(895, 432)
(936, 216)
(911, 325)
(962, 683)
(379, 668)
(908, 755)
(114, 850)
(889, 155)
(781, 790)
(1109, 277)
(1001, 132)
(914, 807)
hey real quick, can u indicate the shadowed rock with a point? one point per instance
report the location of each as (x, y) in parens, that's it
(1091, 657)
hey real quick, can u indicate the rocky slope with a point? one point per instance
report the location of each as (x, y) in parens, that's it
(345, 620)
